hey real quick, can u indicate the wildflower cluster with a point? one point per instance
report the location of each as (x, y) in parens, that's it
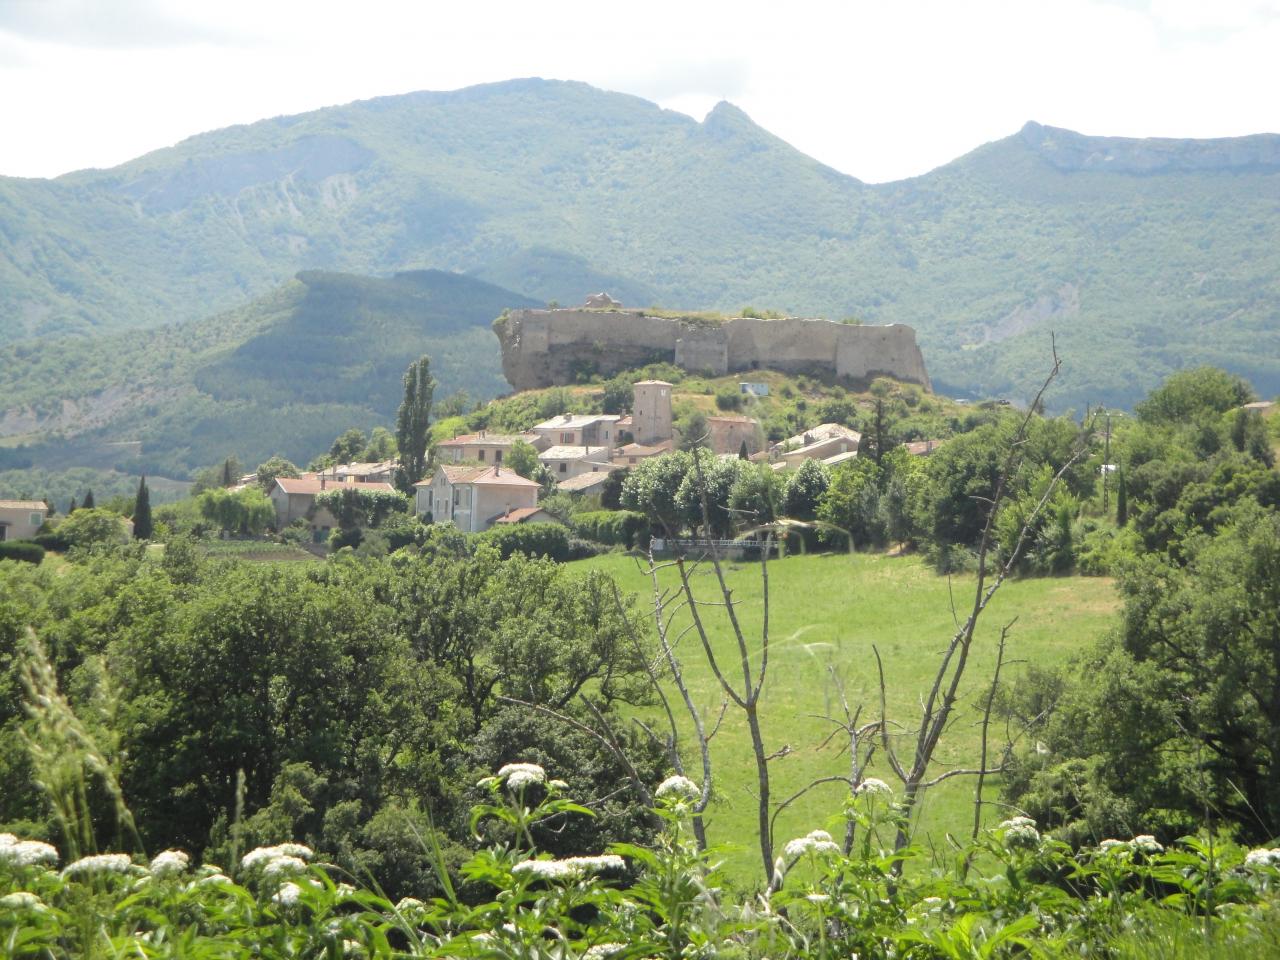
(25, 853)
(1020, 833)
(647, 902)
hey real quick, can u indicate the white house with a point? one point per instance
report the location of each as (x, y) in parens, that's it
(21, 519)
(579, 429)
(472, 498)
(566, 461)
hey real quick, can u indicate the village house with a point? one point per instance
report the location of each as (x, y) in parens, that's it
(479, 447)
(566, 461)
(21, 519)
(584, 484)
(294, 499)
(383, 471)
(728, 434)
(633, 453)
(472, 498)
(524, 515)
(578, 430)
(823, 442)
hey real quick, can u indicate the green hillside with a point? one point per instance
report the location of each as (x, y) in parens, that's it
(1141, 255)
(282, 374)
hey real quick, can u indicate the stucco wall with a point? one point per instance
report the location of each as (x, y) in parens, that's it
(541, 348)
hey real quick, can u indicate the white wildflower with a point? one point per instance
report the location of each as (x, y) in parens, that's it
(602, 950)
(1020, 832)
(817, 897)
(678, 788)
(1108, 845)
(1262, 858)
(558, 784)
(345, 890)
(517, 776)
(287, 895)
(100, 863)
(171, 861)
(283, 865)
(261, 856)
(214, 878)
(1147, 844)
(570, 868)
(25, 853)
(409, 903)
(21, 900)
(352, 948)
(797, 848)
(872, 786)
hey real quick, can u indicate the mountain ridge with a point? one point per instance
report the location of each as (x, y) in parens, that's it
(556, 189)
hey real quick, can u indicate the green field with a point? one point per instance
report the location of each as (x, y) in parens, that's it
(826, 613)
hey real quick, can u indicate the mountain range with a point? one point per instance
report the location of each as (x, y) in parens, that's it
(1140, 256)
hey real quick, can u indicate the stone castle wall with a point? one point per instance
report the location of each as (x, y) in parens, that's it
(542, 348)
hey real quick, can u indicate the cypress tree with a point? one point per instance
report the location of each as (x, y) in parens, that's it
(142, 527)
(1122, 498)
(88, 500)
(413, 422)
(227, 479)
(742, 452)
(71, 508)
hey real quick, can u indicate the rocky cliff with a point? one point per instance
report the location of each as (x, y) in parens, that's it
(542, 348)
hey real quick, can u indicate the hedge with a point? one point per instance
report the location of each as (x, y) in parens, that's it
(614, 527)
(25, 550)
(535, 539)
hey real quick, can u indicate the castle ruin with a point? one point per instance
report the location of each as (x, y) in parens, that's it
(543, 348)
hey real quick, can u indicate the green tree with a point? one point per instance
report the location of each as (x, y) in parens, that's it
(71, 507)
(270, 470)
(523, 459)
(693, 430)
(88, 527)
(356, 508)
(851, 503)
(88, 500)
(703, 495)
(651, 487)
(142, 527)
(805, 488)
(381, 446)
(348, 447)
(1122, 498)
(756, 497)
(619, 394)
(245, 513)
(413, 422)
(1190, 395)
(1177, 713)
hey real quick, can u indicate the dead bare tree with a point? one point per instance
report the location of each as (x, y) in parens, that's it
(938, 707)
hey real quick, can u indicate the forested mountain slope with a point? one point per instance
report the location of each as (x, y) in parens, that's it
(323, 352)
(1141, 255)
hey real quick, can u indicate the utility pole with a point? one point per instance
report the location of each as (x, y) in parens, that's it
(1106, 470)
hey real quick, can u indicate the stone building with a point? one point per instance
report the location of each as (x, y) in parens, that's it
(651, 412)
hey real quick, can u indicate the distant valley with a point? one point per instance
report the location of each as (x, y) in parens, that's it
(282, 374)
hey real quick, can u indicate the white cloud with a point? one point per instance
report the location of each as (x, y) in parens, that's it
(878, 90)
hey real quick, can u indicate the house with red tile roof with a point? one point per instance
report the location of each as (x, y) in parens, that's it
(472, 498)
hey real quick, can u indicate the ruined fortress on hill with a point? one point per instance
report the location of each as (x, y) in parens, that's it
(543, 348)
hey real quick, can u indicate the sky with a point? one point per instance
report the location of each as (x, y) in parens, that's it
(879, 90)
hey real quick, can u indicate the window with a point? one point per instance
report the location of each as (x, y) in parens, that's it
(566, 438)
(482, 455)
(564, 467)
(36, 520)
(497, 456)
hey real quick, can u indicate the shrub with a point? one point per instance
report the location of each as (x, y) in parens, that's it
(728, 398)
(27, 551)
(583, 549)
(613, 527)
(549, 540)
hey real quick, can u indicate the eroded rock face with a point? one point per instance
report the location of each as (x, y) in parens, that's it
(1071, 151)
(542, 348)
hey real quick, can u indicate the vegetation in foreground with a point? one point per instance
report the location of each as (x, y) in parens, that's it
(1012, 893)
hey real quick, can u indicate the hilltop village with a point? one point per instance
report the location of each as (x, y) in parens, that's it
(474, 485)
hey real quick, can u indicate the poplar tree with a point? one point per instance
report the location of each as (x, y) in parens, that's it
(413, 422)
(88, 500)
(1122, 498)
(142, 527)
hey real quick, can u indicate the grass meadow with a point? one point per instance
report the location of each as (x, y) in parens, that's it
(826, 613)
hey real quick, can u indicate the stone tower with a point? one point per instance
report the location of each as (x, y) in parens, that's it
(651, 411)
